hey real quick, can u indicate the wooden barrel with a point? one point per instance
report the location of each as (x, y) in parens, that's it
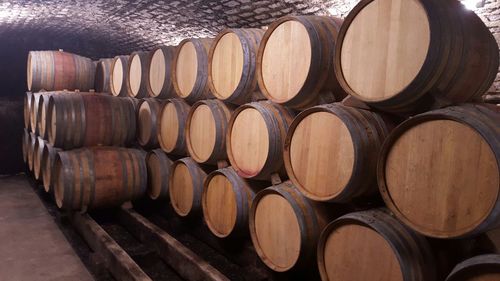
(256, 137)
(148, 115)
(159, 170)
(206, 129)
(372, 245)
(190, 69)
(186, 187)
(90, 119)
(26, 141)
(37, 157)
(380, 39)
(35, 99)
(439, 172)
(102, 76)
(30, 150)
(159, 83)
(42, 108)
(479, 268)
(119, 77)
(171, 134)
(331, 152)
(285, 227)
(57, 70)
(295, 61)
(27, 110)
(49, 154)
(232, 72)
(138, 75)
(226, 202)
(98, 177)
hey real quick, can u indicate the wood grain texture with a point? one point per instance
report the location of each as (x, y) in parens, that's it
(35, 102)
(478, 268)
(98, 177)
(102, 82)
(37, 157)
(206, 129)
(27, 110)
(331, 152)
(439, 171)
(190, 69)
(373, 245)
(295, 61)
(256, 137)
(148, 115)
(138, 75)
(171, 134)
(409, 56)
(226, 202)
(48, 158)
(159, 170)
(159, 84)
(119, 77)
(30, 148)
(232, 65)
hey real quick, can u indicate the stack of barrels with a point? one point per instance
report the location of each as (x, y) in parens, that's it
(349, 145)
(74, 137)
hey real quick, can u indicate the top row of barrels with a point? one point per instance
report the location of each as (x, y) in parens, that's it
(393, 55)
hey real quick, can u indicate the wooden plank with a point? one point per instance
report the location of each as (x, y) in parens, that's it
(117, 261)
(187, 264)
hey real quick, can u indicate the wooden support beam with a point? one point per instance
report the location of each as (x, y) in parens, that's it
(117, 261)
(186, 263)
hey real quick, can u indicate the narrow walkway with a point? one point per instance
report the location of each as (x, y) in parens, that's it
(31, 245)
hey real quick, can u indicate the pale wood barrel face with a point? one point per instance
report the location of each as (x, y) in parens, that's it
(169, 127)
(181, 190)
(29, 72)
(220, 205)
(385, 47)
(249, 141)
(135, 74)
(53, 125)
(322, 155)
(186, 69)
(202, 133)
(442, 176)
(358, 253)
(227, 65)
(117, 80)
(145, 123)
(286, 61)
(157, 72)
(154, 175)
(277, 232)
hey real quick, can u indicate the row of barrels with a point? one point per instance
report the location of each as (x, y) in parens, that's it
(392, 55)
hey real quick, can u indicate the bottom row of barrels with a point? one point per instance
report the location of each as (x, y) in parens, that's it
(287, 230)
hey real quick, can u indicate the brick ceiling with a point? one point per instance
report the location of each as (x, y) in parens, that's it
(125, 25)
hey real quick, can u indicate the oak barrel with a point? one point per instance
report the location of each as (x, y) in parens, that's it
(439, 172)
(159, 170)
(186, 187)
(27, 110)
(407, 56)
(57, 70)
(49, 154)
(148, 115)
(26, 141)
(373, 245)
(119, 77)
(171, 134)
(102, 83)
(35, 99)
(479, 268)
(98, 177)
(295, 61)
(331, 152)
(206, 129)
(232, 71)
(37, 157)
(226, 202)
(285, 227)
(138, 74)
(87, 119)
(190, 69)
(159, 81)
(42, 108)
(256, 137)
(30, 149)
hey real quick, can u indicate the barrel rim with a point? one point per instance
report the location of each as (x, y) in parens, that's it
(484, 262)
(179, 147)
(142, 56)
(177, 89)
(163, 192)
(381, 178)
(164, 92)
(122, 92)
(183, 161)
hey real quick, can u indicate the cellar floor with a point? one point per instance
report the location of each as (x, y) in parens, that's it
(32, 247)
